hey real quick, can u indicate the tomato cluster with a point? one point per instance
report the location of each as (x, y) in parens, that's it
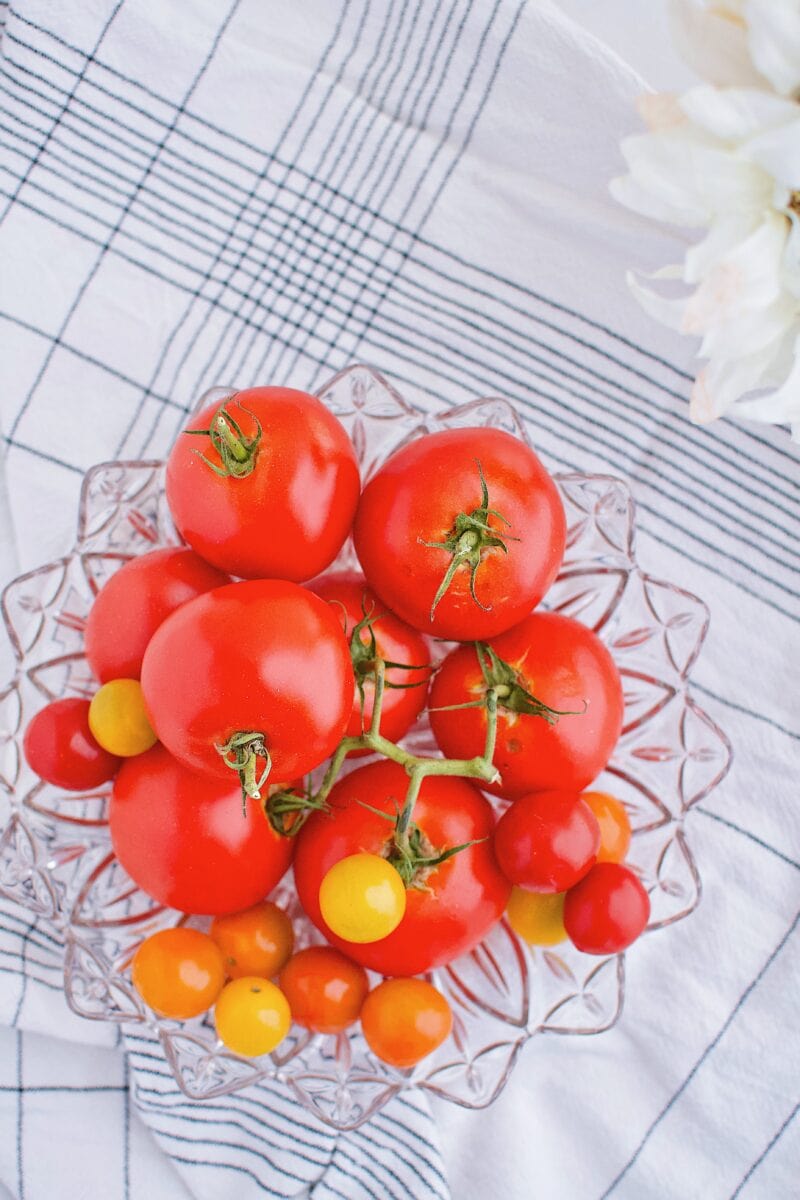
(233, 667)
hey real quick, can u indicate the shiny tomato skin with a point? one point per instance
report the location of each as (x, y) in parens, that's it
(184, 839)
(132, 604)
(415, 498)
(264, 655)
(465, 895)
(607, 910)
(289, 517)
(348, 594)
(59, 746)
(325, 989)
(563, 664)
(547, 841)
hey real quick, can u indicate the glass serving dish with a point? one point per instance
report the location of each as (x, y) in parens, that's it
(55, 854)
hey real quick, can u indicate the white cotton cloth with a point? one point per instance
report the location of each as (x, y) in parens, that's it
(242, 191)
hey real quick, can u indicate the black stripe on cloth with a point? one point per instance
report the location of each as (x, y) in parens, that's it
(243, 207)
(749, 835)
(365, 1133)
(88, 60)
(772, 1142)
(698, 1064)
(684, 423)
(20, 1120)
(123, 213)
(748, 712)
(88, 1088)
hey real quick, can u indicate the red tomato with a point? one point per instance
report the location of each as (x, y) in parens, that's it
(406, 691)
(547, 842)
(462, 897)
(607, 910)
(184, 840)
(263, 657)
(276, 495)
(130, 607)
(60, 748)
(425, 511)
(564, 665)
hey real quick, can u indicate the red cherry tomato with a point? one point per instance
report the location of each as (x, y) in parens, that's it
(274, 504)
(462, 897)
(406, 691)
(130, 607)
(325, 989)
(60, 748)
(266, 658)
(184, 839)
(430, 493)
(547, 842)
(607, 910)
(564, 665)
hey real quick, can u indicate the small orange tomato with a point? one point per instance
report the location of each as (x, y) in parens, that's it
(178, 972)
(404, 1020)
(325, 989)
(257, 941)
(615, 828)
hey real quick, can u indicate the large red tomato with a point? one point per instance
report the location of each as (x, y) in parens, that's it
(183, 838)
(406, 691)
(271, 492)
(130, 607)
(565, 666)
(461, 533)
(264, 658)
(461, 898)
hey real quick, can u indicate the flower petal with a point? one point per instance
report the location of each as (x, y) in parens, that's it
(713, 41)
(773, 36)
(733, 114)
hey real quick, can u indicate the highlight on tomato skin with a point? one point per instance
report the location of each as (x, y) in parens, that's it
(264, 486)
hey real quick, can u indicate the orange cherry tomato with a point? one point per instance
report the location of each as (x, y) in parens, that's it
(178, 972)
(404, 1020)
(325, 989)
(257, 941)
(615, 827)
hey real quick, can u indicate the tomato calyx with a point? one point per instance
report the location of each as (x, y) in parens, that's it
(367, 661)
(237, 453)
(288, 809)
(242, 753)
(511, 688)
(471, 535)
(410, 851)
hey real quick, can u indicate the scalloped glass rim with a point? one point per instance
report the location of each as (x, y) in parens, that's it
(54, 851)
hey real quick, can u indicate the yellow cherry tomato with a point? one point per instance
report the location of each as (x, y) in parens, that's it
(362, 898)
(537, 917)
(615, 828)
(252, 1016)
(118, 720)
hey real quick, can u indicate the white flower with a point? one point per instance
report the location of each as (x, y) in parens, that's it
(727, 160)
(741, 42)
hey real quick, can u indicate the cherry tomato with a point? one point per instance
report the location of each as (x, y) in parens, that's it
(184, 840)
(460, 899)
(178, 972)
(406, 691)
(266, 660)
(362, 898)
(257, 941)
(60, 748)
(538, 918)
(130, 607)
(325, 989)
(615, 827)
(118, 718)
(547, 842)
(562, 664)
(272, 492)
(449, 555)
(404, 1020)
(607, 910)
(252, 1016)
